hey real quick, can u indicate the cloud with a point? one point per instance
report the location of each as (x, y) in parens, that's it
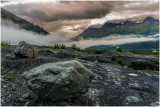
(66, 10)
(110, 40)
(65, 15)
(14, 34)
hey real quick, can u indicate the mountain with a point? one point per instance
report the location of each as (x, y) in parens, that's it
(6, 15)
(135, 45)
(148, 26)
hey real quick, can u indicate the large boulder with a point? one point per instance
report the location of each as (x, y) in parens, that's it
(59, 81)
(24, 50)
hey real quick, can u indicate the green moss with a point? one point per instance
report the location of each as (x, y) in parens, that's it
(5, 43)
(56, 50)
(2, 60)
(7, 76)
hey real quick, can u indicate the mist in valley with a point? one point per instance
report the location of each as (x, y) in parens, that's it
(11, 32)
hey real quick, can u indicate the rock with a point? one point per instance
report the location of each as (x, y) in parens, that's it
(156, 103)
(138, 86)
(25, 95)
(21, 100)
(29, 103)
(49, 51)
(59, 81)
(135, 85)
(24, 50)
(131, 99)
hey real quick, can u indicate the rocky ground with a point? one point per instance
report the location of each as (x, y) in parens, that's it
(135, 83)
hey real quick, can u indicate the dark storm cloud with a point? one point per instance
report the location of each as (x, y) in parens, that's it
(77, 10)
(50, 11)
(59, 15)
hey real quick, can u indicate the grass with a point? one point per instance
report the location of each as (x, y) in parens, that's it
(5, 43)
(142, 51)
(56, 50)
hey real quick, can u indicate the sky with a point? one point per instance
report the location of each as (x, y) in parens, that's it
(73, 17)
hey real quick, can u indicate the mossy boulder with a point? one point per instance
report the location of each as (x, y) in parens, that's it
(59, 81)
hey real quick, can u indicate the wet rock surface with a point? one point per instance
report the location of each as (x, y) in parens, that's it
(112, 85)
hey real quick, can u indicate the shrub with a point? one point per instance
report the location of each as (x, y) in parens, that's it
(73, 46)
(96, 51)
(56, 46)
(62, 46)
(47, 46)
(113, 58)
(119, 50)
(78, 49)
(5, 43)
(119, 61)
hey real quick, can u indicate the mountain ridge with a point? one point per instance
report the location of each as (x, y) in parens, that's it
(6, 15)
(149, 26)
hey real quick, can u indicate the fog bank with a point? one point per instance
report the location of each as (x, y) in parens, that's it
(15, 35)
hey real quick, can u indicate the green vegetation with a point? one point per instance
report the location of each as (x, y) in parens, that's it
(56, 46)
(96, 51)
(8, 76)
(119, 61)
(2, 60)
(113, 58)
(155, 61)
(5, 43)
(22, 23)
(143, 51)
(73, 46)
(89, 51)
(145, 30)
(59, 46)
(47, 46)
(150, 26)
(56, 50)
(2, 68)
(119, 50)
